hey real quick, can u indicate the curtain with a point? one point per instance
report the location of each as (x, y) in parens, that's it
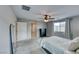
(68, 32)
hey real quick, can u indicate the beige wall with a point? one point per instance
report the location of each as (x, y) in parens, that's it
(75, 26)
(7, 17)
(50, 29)
(39, 25)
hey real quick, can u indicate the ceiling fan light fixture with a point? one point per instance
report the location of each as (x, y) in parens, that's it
(45, 20)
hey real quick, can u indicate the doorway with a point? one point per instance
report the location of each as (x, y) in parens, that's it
(21, 31)
(33, 30)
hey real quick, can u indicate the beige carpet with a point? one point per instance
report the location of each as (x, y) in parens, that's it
(29, 47)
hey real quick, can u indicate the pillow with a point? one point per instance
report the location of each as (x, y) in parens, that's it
(74, 44)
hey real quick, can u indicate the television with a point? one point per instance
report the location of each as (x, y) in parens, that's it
(42, 32)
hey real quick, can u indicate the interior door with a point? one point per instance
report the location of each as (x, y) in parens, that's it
(21, 31)
(33, 30)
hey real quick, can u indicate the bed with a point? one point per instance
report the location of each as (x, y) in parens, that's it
(55, 45)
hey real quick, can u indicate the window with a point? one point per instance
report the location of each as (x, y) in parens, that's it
(59, 27)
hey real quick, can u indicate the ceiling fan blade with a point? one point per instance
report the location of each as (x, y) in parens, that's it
(51, 18)
(40, 18)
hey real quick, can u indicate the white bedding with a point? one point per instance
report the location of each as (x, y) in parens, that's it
(55, 44)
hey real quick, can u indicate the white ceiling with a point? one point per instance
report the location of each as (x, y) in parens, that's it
(59, 11)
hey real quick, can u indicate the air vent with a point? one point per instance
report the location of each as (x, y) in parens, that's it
(24, 7)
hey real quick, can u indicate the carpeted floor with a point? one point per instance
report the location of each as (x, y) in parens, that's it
(29, 47)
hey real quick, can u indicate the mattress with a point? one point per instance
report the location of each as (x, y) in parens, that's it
(55, 44)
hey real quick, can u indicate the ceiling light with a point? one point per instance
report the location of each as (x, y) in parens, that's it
(45, 20)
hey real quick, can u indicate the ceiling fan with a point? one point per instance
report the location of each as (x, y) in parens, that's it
(47, 18)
